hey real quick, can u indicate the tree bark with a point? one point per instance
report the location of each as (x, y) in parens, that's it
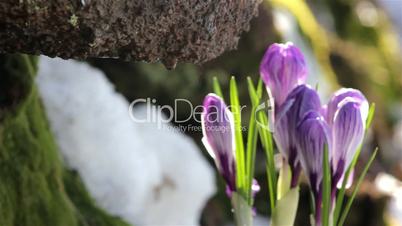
(141, 30)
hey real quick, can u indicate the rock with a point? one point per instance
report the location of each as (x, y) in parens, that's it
(169, 31)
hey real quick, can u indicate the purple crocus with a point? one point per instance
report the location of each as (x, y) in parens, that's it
(217, 127)
(282, 69)
(300, 101)
(340, 125)
(313, 134)
(346, 115)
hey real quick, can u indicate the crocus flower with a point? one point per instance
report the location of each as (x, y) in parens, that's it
(300, 101)
(282, 69)
(312, 135)
(346, 114)
(217, 127)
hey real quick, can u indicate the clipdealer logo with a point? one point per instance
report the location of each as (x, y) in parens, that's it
(163, 115)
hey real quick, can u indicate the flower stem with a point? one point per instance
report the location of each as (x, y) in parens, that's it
(243, 213)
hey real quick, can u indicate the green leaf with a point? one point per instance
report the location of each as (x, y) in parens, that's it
(326, 194)
(340, 197)
(312, 205)
(359, 181)
(259, 88)
(254, 97)
(271, 186)
(251, 152)
(286, 209)
(235, 107)
(266, 140)
(251, 142)
(370, 115)
(217, 87)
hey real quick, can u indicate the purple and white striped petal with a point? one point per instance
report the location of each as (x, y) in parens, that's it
(217, 127)
(346, 114)
(299, 102)
(282, 69)
(347, 134)
(312, 135)
(341, 95)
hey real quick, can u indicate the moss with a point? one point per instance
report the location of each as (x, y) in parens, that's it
(35, 189)
(89, 215)
(73, 20)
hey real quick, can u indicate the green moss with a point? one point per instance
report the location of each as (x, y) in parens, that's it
(88, 213)
(73, 20)
(35, 189)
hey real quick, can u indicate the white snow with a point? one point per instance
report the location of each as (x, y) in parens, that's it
(146, 175)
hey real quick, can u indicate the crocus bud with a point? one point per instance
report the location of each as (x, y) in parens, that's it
(346, 114)
(313, 134)
(342, 94)
(282, 69)
(300, 101)
(217, 127)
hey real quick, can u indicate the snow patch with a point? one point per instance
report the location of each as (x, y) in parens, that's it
(139, 172)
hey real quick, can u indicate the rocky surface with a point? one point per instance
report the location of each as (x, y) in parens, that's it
(170, 31)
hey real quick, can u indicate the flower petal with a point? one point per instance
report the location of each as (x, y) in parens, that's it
(255, 187)
(217, 127)
(349, 182)
(347, 135)
(339, 96)
(312, 135)
(299, 102)
(282, 68)
(346, 114)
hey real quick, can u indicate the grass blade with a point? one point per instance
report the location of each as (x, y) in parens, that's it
(217, 87)
(326, 194)
(254, 97)
(370, 115)
(251, 142)
(271, 172)
(235, 107)
(360, 180)
(266, 140)
(340, 196)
